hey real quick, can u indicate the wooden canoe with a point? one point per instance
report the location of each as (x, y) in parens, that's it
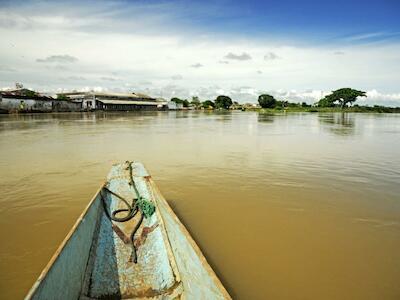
(94, 261)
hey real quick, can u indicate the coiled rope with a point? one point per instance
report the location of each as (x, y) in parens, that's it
(139, 204)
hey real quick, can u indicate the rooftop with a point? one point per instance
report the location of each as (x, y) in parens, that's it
(109, 94)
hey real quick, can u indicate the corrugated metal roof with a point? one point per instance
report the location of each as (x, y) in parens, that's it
(126, 102)
(109, 94)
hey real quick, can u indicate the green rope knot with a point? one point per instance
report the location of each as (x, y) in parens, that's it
(146, 207)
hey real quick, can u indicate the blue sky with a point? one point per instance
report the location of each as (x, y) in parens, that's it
(318, 18)
(352, 21)
(297, 50)
(315, 20)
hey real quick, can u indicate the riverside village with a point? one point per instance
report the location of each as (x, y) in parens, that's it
(23, 100)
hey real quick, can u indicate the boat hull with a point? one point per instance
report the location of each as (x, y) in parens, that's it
(95, 259)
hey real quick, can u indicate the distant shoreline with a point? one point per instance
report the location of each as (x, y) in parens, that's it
(360, 109)
(353, 109)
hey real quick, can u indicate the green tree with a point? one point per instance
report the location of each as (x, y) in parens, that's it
(30, 93)
(176, 100)
(327, 101)
(208, 104)
(223, 102)
(342, 96)
(304, 104)
(62, 97)
(266, 101)
(196, 102)
(185, 103)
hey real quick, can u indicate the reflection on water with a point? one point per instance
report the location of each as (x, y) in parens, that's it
(339, 123)
(265, 118)
(287, 206)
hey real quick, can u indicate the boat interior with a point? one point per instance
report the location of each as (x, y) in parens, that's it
(97, 259)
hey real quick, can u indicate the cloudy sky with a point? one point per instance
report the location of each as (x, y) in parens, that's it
(296, 50)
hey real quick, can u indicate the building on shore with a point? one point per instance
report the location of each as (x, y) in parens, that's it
(251, 106)
(66, 106)
(22, 100)
(25, 101)
(236, 106)
(114, 101)
(174, 106)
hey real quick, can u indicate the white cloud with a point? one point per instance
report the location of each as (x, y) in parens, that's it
(243, 56)
(6, 69)
(57, 67)
(57, 59)
(94, 89)
(271, 56)
(108, 78)
(375, 95)
(196, 66)
(177, 77)
(370, 35)
(75, 78)
(145, 82)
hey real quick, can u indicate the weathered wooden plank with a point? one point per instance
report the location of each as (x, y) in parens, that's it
(63, 276)
(198, 278)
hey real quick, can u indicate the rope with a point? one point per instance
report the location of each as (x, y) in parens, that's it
(141, 204)
(145, 206)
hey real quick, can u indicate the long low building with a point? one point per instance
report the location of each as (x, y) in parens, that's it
(22, 100)
(114, 101)
(27, 101)
(16, 103)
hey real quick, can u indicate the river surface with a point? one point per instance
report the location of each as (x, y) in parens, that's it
(286, 206)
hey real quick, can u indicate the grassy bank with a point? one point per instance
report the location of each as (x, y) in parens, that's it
(354, 109)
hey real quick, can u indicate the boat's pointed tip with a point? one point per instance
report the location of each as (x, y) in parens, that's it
(120, 169)
(127, 163)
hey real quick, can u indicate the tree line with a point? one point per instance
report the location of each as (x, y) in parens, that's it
(338, 98)
(221, 102)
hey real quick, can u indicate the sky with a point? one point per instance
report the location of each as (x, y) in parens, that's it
(295, 50)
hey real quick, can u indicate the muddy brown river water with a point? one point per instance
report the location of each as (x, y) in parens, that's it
(285, 206)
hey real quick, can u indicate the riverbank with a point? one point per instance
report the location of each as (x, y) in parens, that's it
(354, 109)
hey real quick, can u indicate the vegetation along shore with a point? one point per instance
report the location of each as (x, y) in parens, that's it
(340, 100)
(22, 100)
